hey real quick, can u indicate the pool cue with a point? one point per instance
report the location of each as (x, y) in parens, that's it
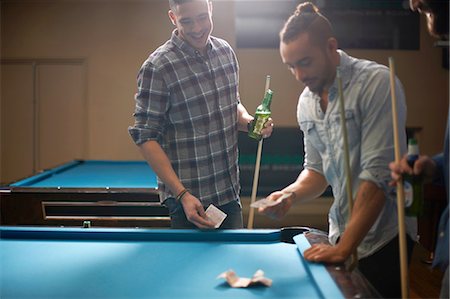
(251, 215)
(400, 190)
(354, 262)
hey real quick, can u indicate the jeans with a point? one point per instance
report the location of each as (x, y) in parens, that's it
(178, 218)
(382, 268)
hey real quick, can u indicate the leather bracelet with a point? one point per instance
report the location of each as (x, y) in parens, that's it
(181, 195)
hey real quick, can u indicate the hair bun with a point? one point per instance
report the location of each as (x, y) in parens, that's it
(306, 7)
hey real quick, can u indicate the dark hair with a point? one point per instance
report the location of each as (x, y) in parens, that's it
(307, 19)
(173, 3)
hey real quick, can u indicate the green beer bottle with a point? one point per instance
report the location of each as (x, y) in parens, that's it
(413, 184)
(262, 114)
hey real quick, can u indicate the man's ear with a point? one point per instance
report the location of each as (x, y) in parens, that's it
(172, 17)
(332, 45)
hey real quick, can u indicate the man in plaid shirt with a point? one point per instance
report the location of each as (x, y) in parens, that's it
(187, 118)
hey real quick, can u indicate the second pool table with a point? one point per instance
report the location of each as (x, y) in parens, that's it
(107, 193)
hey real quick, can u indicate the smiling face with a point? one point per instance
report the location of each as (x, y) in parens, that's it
(311, 64)
(193, 20)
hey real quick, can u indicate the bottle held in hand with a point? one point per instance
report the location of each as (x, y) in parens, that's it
(262, 114)
(413, 184)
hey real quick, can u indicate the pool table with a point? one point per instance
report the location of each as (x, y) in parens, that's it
(107, 193)
(43, 262)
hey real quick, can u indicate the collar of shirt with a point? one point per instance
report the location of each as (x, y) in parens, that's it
(345, 72)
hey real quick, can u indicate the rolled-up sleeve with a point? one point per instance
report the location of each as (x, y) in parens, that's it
(377, 136)
(312, 159)
(152, 103)
(311, 139)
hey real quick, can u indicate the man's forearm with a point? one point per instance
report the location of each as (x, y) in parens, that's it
(243, 118)
(368, 205)
(309, 185)
(160, 163)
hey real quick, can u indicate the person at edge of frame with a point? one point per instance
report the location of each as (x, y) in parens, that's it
(187, 116)
(434, 169)
(309, 48)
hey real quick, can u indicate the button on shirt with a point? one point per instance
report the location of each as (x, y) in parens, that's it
(187, 102)
(366, 93)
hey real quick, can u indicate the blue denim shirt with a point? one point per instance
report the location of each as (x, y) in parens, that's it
(366, 91)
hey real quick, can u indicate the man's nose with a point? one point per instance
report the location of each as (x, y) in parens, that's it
(196, 27)
(298, 74)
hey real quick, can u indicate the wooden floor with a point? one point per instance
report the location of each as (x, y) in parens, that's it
(425, 282)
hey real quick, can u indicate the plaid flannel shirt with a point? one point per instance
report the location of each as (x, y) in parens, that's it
(188, 104)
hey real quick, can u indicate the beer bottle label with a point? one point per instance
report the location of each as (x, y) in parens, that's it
(409, 193)
(259, 124)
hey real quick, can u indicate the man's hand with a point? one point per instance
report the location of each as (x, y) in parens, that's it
(280, 209)
(194, 211)
(268, 128)
(326, 253)
(424, 165)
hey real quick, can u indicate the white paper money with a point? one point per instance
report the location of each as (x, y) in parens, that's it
(243, 282)
(263, 203)
(215, 215)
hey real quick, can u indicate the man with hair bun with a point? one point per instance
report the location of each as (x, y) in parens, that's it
(309, 48)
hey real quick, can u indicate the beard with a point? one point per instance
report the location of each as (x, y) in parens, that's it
(438, 26)
(438, 20)
(325, 79)
(317, 87)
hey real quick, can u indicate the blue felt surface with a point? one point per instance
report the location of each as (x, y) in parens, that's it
(317, 272)
(94, 174)
(100, 268)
